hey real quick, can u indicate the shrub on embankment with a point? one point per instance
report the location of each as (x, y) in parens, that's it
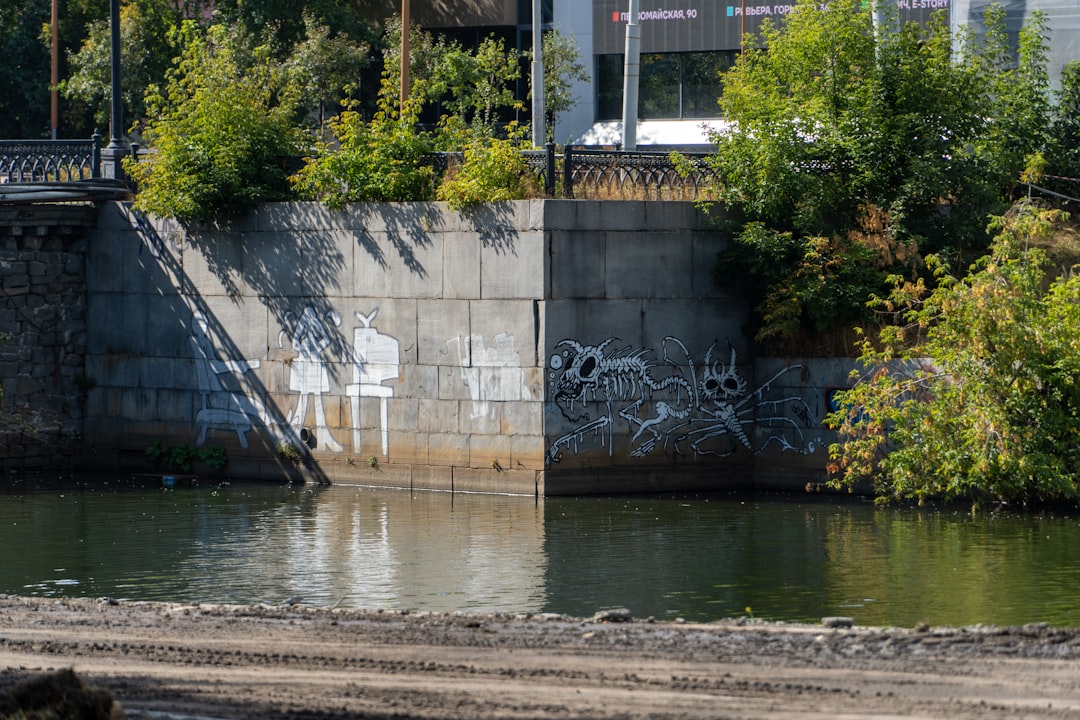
(974, 392)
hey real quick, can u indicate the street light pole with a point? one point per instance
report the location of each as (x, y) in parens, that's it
(539, 120)
(404, 54)
(115, 151)
(631, 72)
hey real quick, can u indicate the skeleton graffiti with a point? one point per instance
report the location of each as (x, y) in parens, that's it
(673, 402)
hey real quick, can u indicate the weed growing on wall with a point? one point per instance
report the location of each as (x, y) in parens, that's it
(289, 451)
(182, 457)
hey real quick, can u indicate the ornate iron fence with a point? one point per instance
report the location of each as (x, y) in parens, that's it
(25, 161)
(623, 174)
(610, 174)
(574, 173)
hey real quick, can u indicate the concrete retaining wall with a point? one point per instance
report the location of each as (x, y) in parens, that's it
(546, 347)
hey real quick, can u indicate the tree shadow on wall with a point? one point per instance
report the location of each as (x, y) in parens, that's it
(406, 227)
(246, 269)
(495, 224)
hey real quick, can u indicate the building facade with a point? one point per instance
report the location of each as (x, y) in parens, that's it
(685, 44)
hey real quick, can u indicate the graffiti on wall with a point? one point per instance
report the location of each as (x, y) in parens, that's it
(308, 375)
(491, 374)
(375, 359)
(223, 405)
(673, 402)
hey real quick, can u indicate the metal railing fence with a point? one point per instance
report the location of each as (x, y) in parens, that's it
(37, 161)
(582, 173)
(587, 173)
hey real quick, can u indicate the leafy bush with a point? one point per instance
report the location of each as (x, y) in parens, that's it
(381, 160)
(221, 132)
(146, 55)
(977, 394)
(493, 170)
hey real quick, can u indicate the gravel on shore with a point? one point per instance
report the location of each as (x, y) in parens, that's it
(175, 661)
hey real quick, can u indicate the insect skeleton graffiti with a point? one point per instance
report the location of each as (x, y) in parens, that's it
(705, 409)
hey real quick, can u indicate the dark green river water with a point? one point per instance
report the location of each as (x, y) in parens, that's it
(795, 558)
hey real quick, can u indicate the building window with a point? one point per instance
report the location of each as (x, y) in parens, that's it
(701, 86)
(609, 81)
(671, 86)
(658, 87)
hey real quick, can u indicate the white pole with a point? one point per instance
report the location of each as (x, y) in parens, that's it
(405, 22)
(631, 70)
(538, 120)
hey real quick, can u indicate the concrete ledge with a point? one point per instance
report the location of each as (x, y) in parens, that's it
(654, 479)
(503, 482)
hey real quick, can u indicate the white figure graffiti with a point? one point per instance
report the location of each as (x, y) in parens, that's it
(703, 412)
(491, 374)
(221, 408)
(375, 360)
(308, 375)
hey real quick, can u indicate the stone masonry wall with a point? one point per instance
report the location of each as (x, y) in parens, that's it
(653, 383)
(43, 316)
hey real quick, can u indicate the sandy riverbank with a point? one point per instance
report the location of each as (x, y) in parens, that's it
(184, 661)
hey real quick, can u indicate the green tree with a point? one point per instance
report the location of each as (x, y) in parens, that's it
(435, 63)
(470, 90)
(848, 147)
(288, 19)
(496, 69)
(326, 66)
(24, 74)
(145, 56)
(562, 68)
(221, 130)
(975, 394)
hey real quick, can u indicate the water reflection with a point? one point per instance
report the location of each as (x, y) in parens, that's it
(701, 558)
(349, 546)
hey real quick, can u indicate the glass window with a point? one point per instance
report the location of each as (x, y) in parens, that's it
(609, 87)
(658, 92)
(671, 85)
(701, 82)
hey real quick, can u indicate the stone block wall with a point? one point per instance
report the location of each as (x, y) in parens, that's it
(389, 344)
(43, 318)
(538, 347)
(652, 381)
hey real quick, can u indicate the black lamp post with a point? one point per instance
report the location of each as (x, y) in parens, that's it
(117, 148)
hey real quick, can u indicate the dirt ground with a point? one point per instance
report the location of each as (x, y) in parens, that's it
(196, 662)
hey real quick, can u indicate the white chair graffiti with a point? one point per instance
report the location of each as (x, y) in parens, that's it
(375, 360)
